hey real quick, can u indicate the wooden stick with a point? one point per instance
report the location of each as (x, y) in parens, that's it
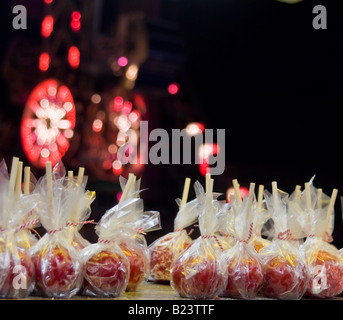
(19, 178)
(308, 197)
(319, 198)
(331, 205)
(80, 175)
(27, 178)
(127, 188)
(297, 194)
(13, 176)
(260, 196)
(185, 192)
(251, 194)
(207, 183)
(275, 194)
(237, 193)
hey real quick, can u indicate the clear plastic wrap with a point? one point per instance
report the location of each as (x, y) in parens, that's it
(17, 273)
(323, 259)
(59, 270)
(286, 275)
(120, 236)
(165, 250)
(200, 273)
(260, 230)
(81, 211)
(245, 272)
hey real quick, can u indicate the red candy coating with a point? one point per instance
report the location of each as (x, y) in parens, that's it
(139, 264)
(163, 253)
(245, 278)
(23, 277)
(57, 273)
(197, 277)
(327, 276)
(106, 274)
(285, 278)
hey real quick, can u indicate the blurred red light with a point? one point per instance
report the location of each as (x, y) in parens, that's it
(47, 26)
(173, 88)
(48, 1)
(76, 15)
(75, 22)
(74, 57)
(44, 61)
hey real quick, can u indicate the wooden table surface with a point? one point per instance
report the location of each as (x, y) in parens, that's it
(151, 291)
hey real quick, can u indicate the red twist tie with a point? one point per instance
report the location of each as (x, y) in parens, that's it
(215, 238)
(54, 230)
(100, 240)
(75, 224)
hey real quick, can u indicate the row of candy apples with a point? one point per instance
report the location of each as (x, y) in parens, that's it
(276, 245)
(61, 263)
(229, 259)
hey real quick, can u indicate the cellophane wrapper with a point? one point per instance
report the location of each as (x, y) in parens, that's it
(17, 273)
(286, 275)
(323, 259)
(82, 210)
(199, 272)
(244, 268)
(118, 232)
(165, 250)
(261, 232)
(106, 270)
(59, 270)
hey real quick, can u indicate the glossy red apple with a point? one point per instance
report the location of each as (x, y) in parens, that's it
(106, 274)
(20, 275)
(58, 274)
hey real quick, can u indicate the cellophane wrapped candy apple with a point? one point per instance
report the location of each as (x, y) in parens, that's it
(323, 259)
(17, 272)
(245, 271)
(120, 259)
(165, 250)
(199, 273)
(82, 210)
(286, 275)
(59, 271)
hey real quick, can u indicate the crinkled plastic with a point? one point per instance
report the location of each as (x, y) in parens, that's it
(119, 232)
(286, 275)
(260, 217)
(169, 247)
(323, 259)
(106, 269)
(245, 271)
(17, 273)
(59, 270)
(81, 212)
(164, 251)
(200, 273)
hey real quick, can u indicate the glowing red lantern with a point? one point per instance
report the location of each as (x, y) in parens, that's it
(48, 122)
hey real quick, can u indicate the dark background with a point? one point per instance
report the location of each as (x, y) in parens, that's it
(256, 68)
